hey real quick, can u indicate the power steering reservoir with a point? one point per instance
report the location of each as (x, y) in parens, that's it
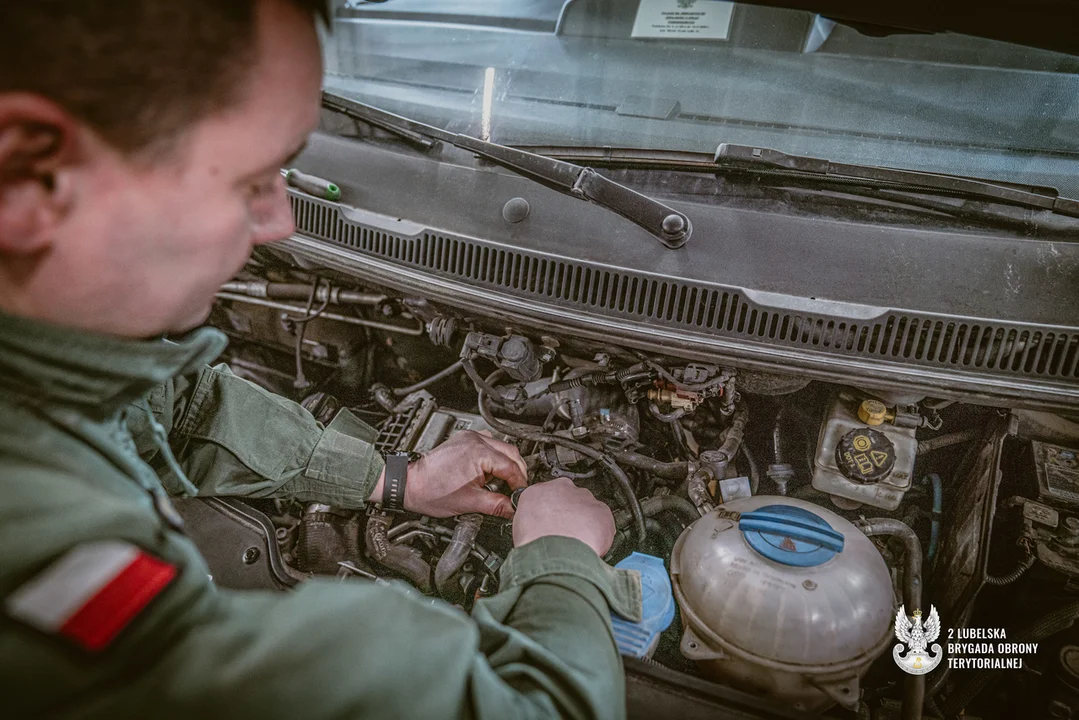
(782, 598)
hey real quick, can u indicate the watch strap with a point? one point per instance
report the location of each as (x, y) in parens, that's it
(393, 486)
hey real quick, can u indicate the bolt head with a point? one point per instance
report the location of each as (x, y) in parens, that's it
(674, 224)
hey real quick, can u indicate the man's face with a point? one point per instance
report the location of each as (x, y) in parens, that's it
(147, 247)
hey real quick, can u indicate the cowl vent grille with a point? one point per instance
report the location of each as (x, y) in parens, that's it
(1006, 349)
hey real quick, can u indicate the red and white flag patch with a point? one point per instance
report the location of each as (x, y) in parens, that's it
(92, 593)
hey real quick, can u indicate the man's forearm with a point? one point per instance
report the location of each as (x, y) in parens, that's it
(234, 438)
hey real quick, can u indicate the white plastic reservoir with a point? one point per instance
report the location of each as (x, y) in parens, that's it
(782, 598)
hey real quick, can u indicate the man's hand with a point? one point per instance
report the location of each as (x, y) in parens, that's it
(449, 480)
(559, 507)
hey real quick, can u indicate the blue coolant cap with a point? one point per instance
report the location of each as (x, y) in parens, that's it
(657, 607)
(791, 535)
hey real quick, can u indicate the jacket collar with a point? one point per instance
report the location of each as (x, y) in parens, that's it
(45, 363)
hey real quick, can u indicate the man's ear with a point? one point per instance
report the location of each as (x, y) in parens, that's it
(37, 154)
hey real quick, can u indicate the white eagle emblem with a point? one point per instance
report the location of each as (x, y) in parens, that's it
(917, 637)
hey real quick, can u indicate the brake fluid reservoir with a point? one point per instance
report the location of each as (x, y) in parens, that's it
(782, 598)
(863, 459)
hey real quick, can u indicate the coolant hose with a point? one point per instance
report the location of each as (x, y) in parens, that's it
(913, 685)
(464, 535)
(661, 503)
(732, 436)
(1048, 625)
(402, 559)
(665, 470)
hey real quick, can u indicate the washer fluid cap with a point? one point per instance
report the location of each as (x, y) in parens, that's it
(790, 535)
(657, 607)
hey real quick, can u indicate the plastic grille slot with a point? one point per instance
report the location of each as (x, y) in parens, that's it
(923, 340)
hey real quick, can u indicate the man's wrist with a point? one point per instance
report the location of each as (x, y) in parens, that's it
(376, 492)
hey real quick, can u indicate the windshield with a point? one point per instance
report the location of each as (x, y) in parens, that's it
(691, 74)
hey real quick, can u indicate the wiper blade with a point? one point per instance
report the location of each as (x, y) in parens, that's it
(749, 157)
(670, 227)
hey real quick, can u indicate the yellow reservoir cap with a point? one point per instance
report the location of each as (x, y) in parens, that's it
(872, 412)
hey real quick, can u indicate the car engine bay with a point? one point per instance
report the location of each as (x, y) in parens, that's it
(788, 518)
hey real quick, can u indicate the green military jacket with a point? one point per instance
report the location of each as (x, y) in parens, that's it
(92, 428)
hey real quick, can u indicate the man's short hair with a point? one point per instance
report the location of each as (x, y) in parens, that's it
(139, 72)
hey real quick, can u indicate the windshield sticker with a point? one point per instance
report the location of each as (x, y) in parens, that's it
(689, 19)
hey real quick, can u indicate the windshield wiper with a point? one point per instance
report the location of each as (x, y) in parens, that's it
(666, 224)
(749, 157)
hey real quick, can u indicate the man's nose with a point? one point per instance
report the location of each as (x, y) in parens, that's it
(276, 222)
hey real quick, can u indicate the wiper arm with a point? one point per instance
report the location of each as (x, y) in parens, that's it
(746, 156)
(666, 224)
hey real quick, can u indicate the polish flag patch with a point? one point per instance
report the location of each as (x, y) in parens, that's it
(92, 593)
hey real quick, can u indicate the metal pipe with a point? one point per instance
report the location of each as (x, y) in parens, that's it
(300, 291)
(697, 489)
(455, 554)
(914, 685)
(388, 327)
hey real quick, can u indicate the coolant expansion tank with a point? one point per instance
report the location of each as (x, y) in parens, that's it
(783, 598)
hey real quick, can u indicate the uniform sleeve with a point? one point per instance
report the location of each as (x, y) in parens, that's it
(542, 648)
(232, 437)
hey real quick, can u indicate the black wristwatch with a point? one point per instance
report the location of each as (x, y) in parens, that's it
(393, 485)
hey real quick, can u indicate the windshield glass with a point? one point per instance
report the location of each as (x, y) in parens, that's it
(691, 74)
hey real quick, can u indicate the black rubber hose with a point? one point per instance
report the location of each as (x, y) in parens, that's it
(402, 559)
(455, 554)
(754, 470)
(671, 417)
(1025, 564)
(440, 375)
(777, 437)
(665, 470)
(530, 432)
(601, 377)
(1048, 625)
(913, 685)
(942, 441)
(670, 503)
(735, 432)
(481, 384)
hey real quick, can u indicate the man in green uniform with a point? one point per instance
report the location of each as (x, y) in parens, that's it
(140, 144)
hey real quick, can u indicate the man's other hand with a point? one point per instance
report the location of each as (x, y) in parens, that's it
(449, 480)
(559, 507)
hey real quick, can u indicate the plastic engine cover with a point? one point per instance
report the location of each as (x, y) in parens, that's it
(657, 607)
